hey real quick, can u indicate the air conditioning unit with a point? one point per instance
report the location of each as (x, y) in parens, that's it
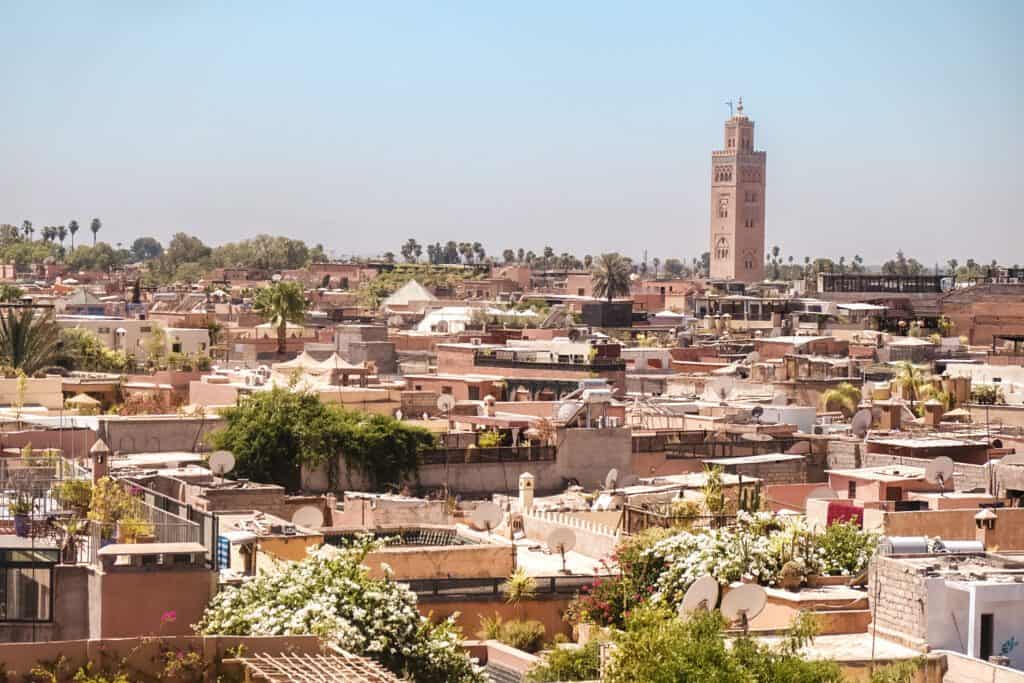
(818, 429)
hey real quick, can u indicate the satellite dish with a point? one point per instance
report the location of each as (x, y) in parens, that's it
(309, 517)
(756, 436)
(561, 541)
(822, 493)
(756, 412)
(703, 594)
(486, 516)
(939, 471)
(611, 480)
(744, 603)
(565, 412)
(445, 402)
(799, 448)
(221, 462)
(862, 421)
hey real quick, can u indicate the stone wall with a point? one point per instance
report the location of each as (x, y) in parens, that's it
(155, 434)
(844, 455)
(784, 472)
(900, 607)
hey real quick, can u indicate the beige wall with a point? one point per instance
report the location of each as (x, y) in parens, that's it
(444, 562)
(132, 601)
(44, 392)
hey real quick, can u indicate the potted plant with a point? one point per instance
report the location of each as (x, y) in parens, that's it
(71, 530)
(134, 529)
(20, 508)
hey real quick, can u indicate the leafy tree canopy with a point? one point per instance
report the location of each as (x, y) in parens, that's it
(274, 433)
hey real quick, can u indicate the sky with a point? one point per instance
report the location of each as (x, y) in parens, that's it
(587, 126)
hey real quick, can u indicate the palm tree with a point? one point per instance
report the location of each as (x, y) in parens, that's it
(73, 228)
(27, 229)
(28, 339)
(910, 380)
(279, 304)
(62, 234)
(843, 397)
(95, 227)
(611, 276)
(656, 262)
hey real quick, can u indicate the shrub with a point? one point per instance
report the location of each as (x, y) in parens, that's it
(75, 494)
(523, 634)
(845, 549)
(568, 664)
(489, 439)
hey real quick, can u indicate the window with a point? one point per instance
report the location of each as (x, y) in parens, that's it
(722, 248)
(748, 260)
(102, 330)
(26, 582)
(446, 390)
(145, 330)
(723, 206)
(176, 347)
(474, 393)
(851, 490)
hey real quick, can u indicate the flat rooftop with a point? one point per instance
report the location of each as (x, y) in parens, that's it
(887, 474)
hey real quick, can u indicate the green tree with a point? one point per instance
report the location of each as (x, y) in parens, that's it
(659, 647)
(81, 349)
(611, 276)
(674, 267)
(146, 248)
(28, 339)
(279, 304)
(62, 234)
(73, 229)
(94, 227)
(273, 434)
(910, 379)
(10, 293)
(844, 397)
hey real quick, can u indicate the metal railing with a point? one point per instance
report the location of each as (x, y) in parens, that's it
(595, 365)
(728, 448)
(636, 519)
(484, 588)
(202, 527)
(464, 456)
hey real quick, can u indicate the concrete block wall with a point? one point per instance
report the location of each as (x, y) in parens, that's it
(900, 608)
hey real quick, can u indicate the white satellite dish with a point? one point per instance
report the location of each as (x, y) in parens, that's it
(565, 411)
(822, 493)
(939, 471)
(743, 604)
(862, 421)
(445, 402)
(611, 480)
(799, 448)
(780, 399)
(309, 517)
(561, 541)
(221, 462)
(486, 516)
(756, 436)
(703, 594)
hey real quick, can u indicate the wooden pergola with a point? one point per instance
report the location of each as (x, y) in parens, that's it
(335, 666)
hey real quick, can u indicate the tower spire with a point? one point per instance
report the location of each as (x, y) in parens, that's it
(739, 106)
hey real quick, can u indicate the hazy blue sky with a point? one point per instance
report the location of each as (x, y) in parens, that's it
(584, 125)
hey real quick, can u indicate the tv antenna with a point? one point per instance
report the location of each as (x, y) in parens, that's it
(731, 105)
(703, 594)
(309, 517)
(743, 604)
(561, 541)
(221, 462)
(486, 515)
(939, 471)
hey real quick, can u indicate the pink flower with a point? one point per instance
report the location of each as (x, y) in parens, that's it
(169, 617)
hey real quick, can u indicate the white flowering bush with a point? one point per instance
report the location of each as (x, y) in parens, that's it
(755, 550)
(331, 595)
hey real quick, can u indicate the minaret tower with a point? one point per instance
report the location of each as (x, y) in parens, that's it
(737, 203)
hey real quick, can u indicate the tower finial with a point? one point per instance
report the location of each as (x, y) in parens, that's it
(739, 106)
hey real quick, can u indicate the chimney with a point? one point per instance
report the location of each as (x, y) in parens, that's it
(933, 412)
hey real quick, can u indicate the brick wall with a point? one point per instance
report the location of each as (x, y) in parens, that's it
(901, 605)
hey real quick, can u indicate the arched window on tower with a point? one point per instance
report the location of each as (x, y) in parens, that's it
(722, 248)
(748, 260)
